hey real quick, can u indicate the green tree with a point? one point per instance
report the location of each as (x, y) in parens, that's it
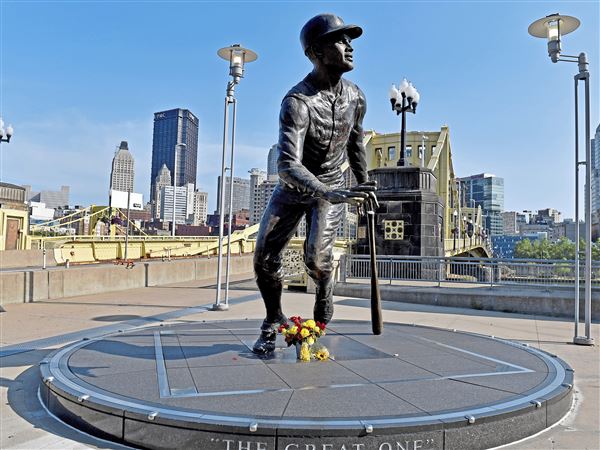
(524, 249)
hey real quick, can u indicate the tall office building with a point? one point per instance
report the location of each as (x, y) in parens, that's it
(257, 178)
(122, 172)
(184, 204)
(172, 127)
(241, 194)
(485, 190)
(272, 161)
(200, 207)
(162, 180)
(260, 199)
(596, 172)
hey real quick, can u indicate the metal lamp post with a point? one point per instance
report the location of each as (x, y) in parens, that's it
(552, 27)
(404, 99)
(237, 57)
(5, 135)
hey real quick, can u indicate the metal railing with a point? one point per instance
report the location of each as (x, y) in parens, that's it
(483, 271)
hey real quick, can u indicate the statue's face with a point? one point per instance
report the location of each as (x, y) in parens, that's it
(336, 53)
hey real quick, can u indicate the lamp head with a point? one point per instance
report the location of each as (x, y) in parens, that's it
(393, 92)
(237, 57)
(552, 27)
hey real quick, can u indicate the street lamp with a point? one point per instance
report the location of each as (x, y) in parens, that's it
(404, 99)
(552, 27)
(5, 135)
(237, 57)
(181, 147)
(455, 229)
(470, 232)
(422, 150)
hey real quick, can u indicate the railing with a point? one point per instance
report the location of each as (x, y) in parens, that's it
(477, 271)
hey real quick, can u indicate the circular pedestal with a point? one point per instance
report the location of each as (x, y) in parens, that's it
(199, 385)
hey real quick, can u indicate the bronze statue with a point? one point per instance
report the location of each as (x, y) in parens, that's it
(320, 124)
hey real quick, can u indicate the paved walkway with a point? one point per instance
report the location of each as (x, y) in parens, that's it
(30, 331)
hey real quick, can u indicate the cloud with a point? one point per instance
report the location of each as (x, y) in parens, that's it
(69, 148)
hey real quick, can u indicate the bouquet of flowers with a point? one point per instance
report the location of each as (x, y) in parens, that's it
(304, 335)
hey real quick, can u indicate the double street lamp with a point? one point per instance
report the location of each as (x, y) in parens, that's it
(552, 27)
(404, 99)
(5, 135)
(237, 57)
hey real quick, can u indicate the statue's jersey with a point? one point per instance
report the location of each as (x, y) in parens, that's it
(318, 129)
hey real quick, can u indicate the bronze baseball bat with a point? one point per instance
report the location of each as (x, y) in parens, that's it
(376, 318)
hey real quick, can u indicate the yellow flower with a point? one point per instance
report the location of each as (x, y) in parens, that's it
(304, 353)
(304, 332)
(322, 354)
(309, 324)
(317, 329)
(310, 341)
(293, 330)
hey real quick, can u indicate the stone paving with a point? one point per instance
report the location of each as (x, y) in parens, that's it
(25, 329)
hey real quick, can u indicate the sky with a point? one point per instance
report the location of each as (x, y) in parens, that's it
(78, 77)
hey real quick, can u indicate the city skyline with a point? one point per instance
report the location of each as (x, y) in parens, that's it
(509, 109)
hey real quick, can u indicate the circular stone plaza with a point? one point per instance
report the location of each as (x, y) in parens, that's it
(198, 385)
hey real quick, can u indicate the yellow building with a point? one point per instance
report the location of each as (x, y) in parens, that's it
(432, 150)
(14, 217)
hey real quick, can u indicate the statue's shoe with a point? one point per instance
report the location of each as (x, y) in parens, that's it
(268, 335)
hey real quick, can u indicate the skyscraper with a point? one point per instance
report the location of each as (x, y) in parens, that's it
(272, 161)
(122, 172)
(162, 180)
(596, 173)
(200, 207)
(241, 194)
(172, 127)
(485, 190)
(184, 204)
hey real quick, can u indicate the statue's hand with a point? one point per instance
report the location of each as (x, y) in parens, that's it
(346, 196)
(367, 186)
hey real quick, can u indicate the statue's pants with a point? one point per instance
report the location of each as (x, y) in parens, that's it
(278, 225)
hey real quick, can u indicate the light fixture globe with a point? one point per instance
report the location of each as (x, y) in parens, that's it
(552, 27)
(540, 28)
(237, 57)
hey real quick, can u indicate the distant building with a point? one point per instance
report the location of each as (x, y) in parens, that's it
(258, 192)
(569, 229)
(13, 196)
(38, 213)
(184, 204)
(487, 191)
(122, 172)
(272, 169)
(200, 207)
(596, 184)
(241, 194)
(548, 215)
(596, 170)
(503, 246)
(52, 199)
(172, 127)
(162, 179)
(509, 223)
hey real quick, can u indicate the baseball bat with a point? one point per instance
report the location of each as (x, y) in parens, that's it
(376, 318)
